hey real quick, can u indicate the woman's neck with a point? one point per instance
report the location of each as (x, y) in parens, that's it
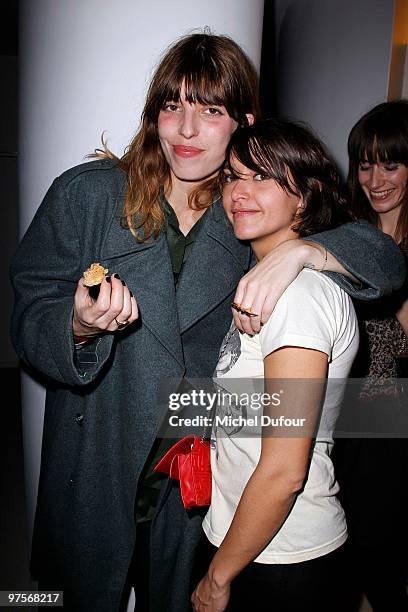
(387, 222)
(177, 195)
(265, 244)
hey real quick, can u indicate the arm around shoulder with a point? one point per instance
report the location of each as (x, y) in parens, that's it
(368, 254)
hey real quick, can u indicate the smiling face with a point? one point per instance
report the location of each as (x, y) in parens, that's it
(194, 138)
(384, 184)
(258, 208)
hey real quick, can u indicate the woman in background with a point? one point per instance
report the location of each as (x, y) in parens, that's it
(373, 473)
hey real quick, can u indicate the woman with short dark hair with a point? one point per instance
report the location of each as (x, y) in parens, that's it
(275, 529)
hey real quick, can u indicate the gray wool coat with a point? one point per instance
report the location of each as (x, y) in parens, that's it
(101, 414)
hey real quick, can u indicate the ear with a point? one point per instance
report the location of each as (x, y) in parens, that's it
(250, 118)
(301, 205)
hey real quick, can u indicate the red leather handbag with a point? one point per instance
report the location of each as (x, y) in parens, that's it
(189, 462)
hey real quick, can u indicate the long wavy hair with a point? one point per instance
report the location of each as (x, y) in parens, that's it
(214, 70)
(294, 157)
(380, 135)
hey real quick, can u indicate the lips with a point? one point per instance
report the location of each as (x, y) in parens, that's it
(186, 151)
(380, 195)
(243, 212)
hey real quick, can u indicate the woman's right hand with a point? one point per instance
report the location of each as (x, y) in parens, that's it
(115, 308)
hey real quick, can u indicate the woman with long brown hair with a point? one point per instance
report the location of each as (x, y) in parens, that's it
(155, 221)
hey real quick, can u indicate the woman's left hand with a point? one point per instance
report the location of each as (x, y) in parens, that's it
(260, 289)
(208, 597)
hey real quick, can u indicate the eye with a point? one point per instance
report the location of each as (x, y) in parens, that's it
(391, 167)
(171, 107)
(213, 111)
(229, 177)
(260, 177)
(364, 166)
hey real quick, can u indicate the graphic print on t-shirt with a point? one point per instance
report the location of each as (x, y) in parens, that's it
(230, 352)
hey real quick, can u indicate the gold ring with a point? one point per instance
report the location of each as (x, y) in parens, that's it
(245, 311)
(248, 312)
(121, 324)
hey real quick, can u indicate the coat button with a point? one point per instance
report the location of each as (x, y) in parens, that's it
(79, 418)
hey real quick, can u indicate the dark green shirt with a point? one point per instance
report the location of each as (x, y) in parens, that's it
(179, 245)
(180, 248)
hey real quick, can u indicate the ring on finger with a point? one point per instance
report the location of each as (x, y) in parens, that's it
(242, 310)
(248, 312)
(121, 324)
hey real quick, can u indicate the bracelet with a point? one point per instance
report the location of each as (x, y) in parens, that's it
(325, 261)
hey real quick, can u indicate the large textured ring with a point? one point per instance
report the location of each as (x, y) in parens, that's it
(248, 312)
(245, 311)
(121, 324)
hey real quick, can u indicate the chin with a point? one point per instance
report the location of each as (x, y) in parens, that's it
(243, 235)
(191, 177)
(383, 207)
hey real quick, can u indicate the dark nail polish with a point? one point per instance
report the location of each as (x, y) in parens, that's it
(108, 279)
(94, 291)
(116, 275)
(131, 294)
(123, 283)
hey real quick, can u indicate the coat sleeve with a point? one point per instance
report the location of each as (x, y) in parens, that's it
(369, 254)
(44, 274)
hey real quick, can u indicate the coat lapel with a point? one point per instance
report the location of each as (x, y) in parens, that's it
(213, 269)
(146, 268)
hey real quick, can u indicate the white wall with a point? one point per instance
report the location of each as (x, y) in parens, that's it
(332, 63)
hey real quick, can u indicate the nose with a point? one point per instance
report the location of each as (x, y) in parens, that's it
(376, 177)
(188, 123)
(240, 190)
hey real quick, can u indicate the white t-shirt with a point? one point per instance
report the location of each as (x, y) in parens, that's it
(313, 313)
